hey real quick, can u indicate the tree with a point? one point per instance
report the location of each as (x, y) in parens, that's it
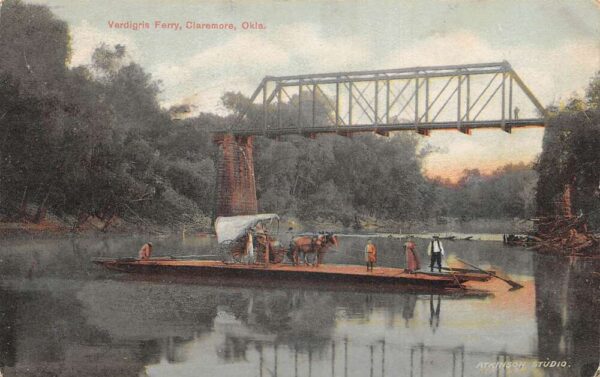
(571, 155)
(592, 94)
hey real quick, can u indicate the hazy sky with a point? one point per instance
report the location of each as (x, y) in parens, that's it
(553, 45)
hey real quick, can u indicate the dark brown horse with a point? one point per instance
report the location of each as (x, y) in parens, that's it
(311, 244)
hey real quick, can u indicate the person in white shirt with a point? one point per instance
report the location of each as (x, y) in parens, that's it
(435, 251)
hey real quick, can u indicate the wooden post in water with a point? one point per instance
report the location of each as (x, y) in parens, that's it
(276, 362)
(295, 360)
(422, 349)
(260, 362)
(309, 361)
(453, 363)
(412, 351)
(462, 361)
(333, 358)
(371, 349)
(383, 358)
(346, 357)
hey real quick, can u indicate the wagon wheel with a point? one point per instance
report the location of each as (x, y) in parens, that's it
(237, 254)
(223, 251)
(230, 251)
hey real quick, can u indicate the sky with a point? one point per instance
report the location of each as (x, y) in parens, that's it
(553, 45)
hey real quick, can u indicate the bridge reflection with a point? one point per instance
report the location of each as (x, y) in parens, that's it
(416, 360)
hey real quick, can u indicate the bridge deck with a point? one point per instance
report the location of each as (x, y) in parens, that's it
(355, 128)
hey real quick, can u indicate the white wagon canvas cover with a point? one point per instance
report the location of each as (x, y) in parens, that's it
(231, 228)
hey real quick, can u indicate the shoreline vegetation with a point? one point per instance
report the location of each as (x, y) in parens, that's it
(90, 149)
(53, 227)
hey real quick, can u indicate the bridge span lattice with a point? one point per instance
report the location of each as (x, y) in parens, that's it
(421, 99)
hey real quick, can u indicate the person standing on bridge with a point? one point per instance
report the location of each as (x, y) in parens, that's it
(370, 255)
(435, 251)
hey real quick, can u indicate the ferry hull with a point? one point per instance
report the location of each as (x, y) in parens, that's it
(344, 275)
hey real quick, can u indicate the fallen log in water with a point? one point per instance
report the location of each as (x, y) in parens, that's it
(565, 236)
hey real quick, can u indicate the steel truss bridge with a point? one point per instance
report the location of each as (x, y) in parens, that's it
(421, 99)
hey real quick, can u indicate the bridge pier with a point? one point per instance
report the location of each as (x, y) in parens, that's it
(236, 187)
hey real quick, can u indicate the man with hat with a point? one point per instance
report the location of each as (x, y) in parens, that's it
(435, 251)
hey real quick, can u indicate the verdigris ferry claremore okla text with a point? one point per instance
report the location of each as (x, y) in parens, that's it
(189, 25)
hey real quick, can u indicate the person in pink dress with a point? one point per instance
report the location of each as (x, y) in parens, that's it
(412, 259)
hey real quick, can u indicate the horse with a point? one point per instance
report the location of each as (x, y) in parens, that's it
(311, 244)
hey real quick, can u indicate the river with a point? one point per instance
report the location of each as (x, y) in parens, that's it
(60, 315)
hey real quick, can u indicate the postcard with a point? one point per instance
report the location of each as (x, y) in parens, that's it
(299, 188)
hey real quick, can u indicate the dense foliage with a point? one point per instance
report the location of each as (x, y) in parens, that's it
(339, 177)
(94, 141)
(509, 192)
(91, 140)
(571, 154)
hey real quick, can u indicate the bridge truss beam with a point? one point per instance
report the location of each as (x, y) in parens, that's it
(421, 99)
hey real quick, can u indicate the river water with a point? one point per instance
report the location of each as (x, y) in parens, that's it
(60, 315)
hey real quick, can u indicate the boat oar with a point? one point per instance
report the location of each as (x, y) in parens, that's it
(191, 256)
(454, 275)
(513, 284)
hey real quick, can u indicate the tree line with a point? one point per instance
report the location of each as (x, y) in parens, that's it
(90, 140)
(571, 155)
(507, 192)
(93, 141)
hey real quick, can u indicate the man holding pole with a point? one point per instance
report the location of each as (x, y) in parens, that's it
(435, 251)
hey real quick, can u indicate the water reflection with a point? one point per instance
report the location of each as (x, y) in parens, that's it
(434, 312)
(567, 312)
(68, 318)
(8, 336)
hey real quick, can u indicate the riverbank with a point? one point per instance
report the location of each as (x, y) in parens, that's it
(439, 226)
(59, 228)
(53, 226)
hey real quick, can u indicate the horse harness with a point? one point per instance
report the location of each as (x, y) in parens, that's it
(313, 243)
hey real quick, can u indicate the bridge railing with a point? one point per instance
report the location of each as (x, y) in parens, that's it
(461, 97)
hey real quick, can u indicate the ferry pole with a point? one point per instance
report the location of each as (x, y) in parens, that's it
(267, 247)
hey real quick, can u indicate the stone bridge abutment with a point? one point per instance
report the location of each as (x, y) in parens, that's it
(236, 187)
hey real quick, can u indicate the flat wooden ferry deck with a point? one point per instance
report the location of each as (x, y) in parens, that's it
(326, 272)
